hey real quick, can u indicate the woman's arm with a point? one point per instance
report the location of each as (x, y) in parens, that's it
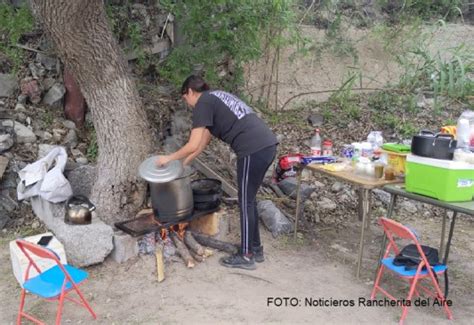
(189, 148)
(206, 138)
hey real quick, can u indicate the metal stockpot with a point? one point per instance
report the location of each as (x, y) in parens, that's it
(78, 210)
(170, 190)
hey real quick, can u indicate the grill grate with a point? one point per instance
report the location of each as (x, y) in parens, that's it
(148, 223)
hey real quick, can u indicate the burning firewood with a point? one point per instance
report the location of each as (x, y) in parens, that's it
(214, 243)
(193, 245)
(182, 250)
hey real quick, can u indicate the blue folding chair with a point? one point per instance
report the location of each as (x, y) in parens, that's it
(52, 284)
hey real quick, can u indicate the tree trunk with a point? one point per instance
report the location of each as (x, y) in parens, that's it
(87, 47)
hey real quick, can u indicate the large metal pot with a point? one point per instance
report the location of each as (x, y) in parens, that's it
(428, 144)
(78, 210)
(170, 190)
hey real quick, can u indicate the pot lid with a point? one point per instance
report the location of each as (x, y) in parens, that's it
(150, 172)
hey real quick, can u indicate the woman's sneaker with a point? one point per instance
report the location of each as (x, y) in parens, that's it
(239, 261)
(258, 254)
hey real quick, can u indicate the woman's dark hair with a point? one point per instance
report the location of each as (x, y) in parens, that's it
(195, 83)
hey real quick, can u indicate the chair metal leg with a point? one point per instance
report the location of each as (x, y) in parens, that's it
(84, 302)
(22, 305)
(410, 295)
(60, 307)
(377, 281)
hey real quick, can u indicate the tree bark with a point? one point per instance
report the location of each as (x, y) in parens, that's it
(87, 47)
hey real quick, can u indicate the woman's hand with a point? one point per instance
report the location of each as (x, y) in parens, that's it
(163, 160)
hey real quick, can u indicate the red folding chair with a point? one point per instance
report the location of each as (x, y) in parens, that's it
(52, 284)
(413, 276)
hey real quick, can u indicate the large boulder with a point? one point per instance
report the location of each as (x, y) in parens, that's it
(84, 244)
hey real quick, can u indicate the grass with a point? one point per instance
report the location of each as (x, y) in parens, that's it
(14, 22)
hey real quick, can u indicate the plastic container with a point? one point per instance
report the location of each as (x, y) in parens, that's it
(327, 148)
(316, 144)
(366, 150)
(445, 180)
(397, 161)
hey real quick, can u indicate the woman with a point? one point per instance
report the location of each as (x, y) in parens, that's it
(226, 117)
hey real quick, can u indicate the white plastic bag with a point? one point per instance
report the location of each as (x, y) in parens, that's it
(45, 178)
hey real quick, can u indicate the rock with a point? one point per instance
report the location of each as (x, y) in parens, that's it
(37, 71)
(7, 202)
(315, 119)
(69, 124)
(85, 244)
(23, 134)
(326, 204)
(3, 165)
(337, 187)
(44, 135)
(2, 103)
(20, 107)
(21, 99)
(4, 217)
(8, 85)
(288, 186)
(47, 83)
(44, 149)
(71, 139)
(82, 179)
(7, 139)
(273, 219)
(318, 184)
(35, 224)
(82, 161)
(31, 89)
(125, 247)
(382, 196)
(47, 61)
(54, 95)
(58, 134)
(409, 206)
(21, 117)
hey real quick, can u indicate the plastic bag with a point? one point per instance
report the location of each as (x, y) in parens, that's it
(273, 219)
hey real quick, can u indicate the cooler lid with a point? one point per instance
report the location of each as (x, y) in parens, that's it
(150, 172)
(441, 163)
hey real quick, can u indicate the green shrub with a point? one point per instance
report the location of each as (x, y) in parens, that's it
(219, 32)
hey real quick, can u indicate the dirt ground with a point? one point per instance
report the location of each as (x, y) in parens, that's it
(321, 264)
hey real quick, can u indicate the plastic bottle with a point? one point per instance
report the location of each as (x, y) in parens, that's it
(327, 148)
(316, 144)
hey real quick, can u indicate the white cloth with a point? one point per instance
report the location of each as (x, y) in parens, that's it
(40, 179)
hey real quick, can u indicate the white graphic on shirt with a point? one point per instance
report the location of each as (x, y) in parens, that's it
(238, 107)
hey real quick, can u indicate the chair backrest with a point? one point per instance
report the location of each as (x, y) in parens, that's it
(30, 248)
(392, 228)
(397, 228)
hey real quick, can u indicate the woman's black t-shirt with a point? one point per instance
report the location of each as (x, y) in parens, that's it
(231, 120)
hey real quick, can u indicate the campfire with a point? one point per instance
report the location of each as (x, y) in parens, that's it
(166, 239)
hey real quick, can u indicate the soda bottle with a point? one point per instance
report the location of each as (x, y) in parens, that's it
(316, 144)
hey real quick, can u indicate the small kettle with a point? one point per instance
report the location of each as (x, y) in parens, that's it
(78, 210)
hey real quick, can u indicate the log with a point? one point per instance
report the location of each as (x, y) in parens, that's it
(192, 244)
(208, 252)
(214, 243)
(182, 250)
(198, 258)
(160, 266)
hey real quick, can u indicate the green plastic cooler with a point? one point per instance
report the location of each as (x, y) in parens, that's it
(445, 180)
